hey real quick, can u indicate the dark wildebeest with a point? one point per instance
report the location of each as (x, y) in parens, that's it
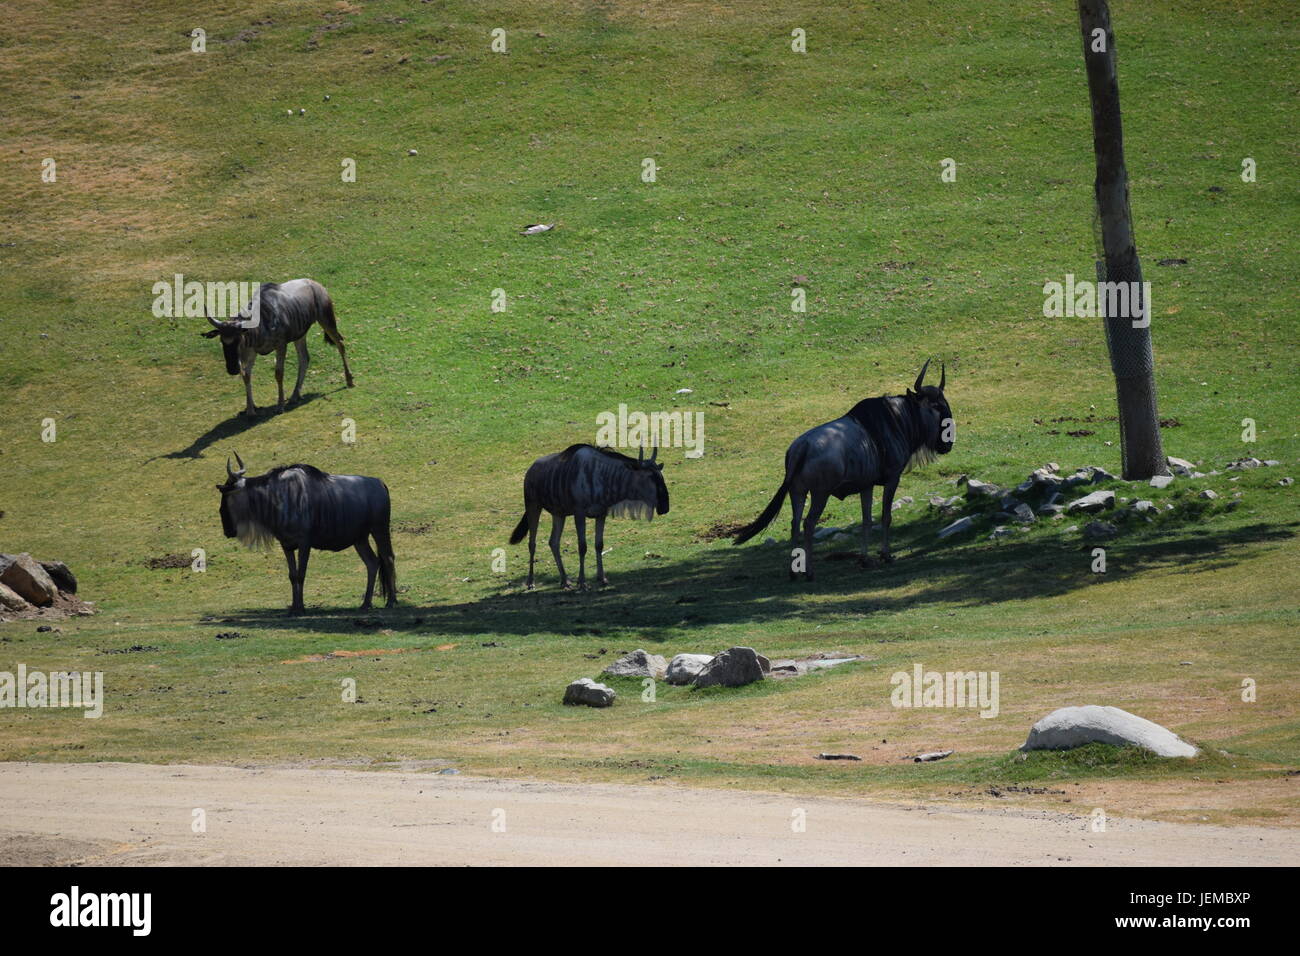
(285, 313)
(874, 444)
(303, 508)
(588, 482)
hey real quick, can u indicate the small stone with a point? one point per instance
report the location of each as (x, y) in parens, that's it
(981, 489)
(1098, 530)
(958, 526)
(1162, 481)
(1143, 506)
(1284, 482)
(1208, 495)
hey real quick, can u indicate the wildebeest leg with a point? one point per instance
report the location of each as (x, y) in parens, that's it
(303, 361)
(600, 547)
(371, 562)
(293, 576)
(557, 529)
(810, 525)
(796, 509)
(279, 376)
(303, 555)
(534, 514)
(866, 520)
(246, 370)
(580, 525)
(886, 517)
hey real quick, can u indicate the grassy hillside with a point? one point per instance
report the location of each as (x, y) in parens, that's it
(772, 165)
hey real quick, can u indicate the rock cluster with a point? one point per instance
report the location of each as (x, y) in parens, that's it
(31, 588)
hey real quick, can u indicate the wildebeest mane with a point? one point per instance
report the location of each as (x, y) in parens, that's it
(285, 499)
(603, 449)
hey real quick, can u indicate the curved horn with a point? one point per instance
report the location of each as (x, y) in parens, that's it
(211, 321)
(943, 374)
(654, 453)
(640, 455)
(229, 471)
(242, 469)
(920, 377)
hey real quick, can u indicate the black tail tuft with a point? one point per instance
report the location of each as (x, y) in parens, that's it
(773, 506)
(521, 529)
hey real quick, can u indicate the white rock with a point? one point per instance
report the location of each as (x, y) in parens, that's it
(1162, 481)
(1071, 727)
(584, 690)
(638, 664)
(958, 526)
(684, 668)
(1097, 501)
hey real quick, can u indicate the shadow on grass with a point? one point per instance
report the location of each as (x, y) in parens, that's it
(727, 585)
(234, 426)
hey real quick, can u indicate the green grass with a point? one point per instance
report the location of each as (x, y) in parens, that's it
(772, 165)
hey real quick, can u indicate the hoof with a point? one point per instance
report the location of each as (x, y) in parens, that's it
(886, 557)
(365, 606)
(250, 413)
(529, 586)
(351, 384)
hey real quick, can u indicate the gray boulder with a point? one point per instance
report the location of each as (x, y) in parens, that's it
(1024, 514)
(1162, 481)
(734, 667)
(1099, 530)
(1180, 466)
(638, 664)
(684, 668)
(1090, 504)
(1208, 494)
(62, 577)
(25, 577)
(587, 691)
(1071, 727)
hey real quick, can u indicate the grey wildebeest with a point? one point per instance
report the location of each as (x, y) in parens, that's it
(874, 444)
(285, 313)
(303, 508)
(588, 482)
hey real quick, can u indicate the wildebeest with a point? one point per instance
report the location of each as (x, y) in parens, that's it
(286, 312)
(303, 508)
(588, 482)
(874, 444)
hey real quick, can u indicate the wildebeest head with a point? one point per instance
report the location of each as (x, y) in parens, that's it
(648, 480)
(234, 507)
(936, 416)
(230, 331)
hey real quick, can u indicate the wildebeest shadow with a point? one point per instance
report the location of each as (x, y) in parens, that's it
(729, 585)
(235, 425)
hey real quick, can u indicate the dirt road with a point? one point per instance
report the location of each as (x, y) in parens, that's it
(137, 814)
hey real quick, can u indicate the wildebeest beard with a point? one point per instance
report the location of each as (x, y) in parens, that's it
(231, 348)
(633, 508)
(238, 522)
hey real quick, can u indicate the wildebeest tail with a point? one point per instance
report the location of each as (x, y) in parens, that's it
(521, 529)
(387, 561)
(773, 506)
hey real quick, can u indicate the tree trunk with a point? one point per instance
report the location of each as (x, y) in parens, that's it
(1130, 348)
